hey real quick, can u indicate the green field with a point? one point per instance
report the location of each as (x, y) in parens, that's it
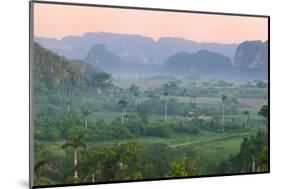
(212, 147)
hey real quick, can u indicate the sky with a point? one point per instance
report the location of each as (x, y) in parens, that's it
(57, 21)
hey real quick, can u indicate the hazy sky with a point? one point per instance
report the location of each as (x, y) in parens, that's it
(57, 21)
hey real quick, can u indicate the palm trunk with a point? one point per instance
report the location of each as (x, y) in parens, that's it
(122, 117)
(93, 177)
(68, 108)
(75, 165)
(70, 104)
(165, 111)
(223, 117)
(253, 164)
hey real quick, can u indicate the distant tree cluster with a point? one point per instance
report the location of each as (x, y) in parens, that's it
(252, 157)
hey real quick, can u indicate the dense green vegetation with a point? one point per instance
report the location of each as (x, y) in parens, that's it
(253, 149)
(92, 127)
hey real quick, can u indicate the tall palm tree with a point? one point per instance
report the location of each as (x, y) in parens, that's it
(75, 142)
(223, 98)
(165, 101)
(90, 175)
(38, 179)
(253, 164)
(136, 94)
(253, 151)
(246, 113)
(85, 114)
(68, 107)
(263, 112)
(100, 81)
(124, 104)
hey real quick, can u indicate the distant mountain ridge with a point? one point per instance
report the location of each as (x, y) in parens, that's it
(250, 62)
(201, 63)
(99, 56)
(251, 54)
(131, 48)
(251, 58)
(102, 58)
(173, 45)
(122, 54)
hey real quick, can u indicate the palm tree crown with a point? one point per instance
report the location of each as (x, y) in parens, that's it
(75, 142)
(124, 104)
(38, 179)
(223, 98)
(263, 112)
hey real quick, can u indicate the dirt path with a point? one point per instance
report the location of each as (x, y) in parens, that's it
(208, 141)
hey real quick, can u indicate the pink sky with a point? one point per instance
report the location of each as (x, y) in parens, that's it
(57, 21)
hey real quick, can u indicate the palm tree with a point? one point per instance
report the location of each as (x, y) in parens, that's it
(263, 112)
(124, 104)
(100, 81)
(75, 142)
(85, 114)
(246, 113)
(68, 107)
(253, 152)
(253, 164)
(165, 101)
(90, 175)
(223, 98)
(136, 98)
(38, 179)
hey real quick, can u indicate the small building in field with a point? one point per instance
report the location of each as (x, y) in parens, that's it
(204, 117)
(190, 116)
